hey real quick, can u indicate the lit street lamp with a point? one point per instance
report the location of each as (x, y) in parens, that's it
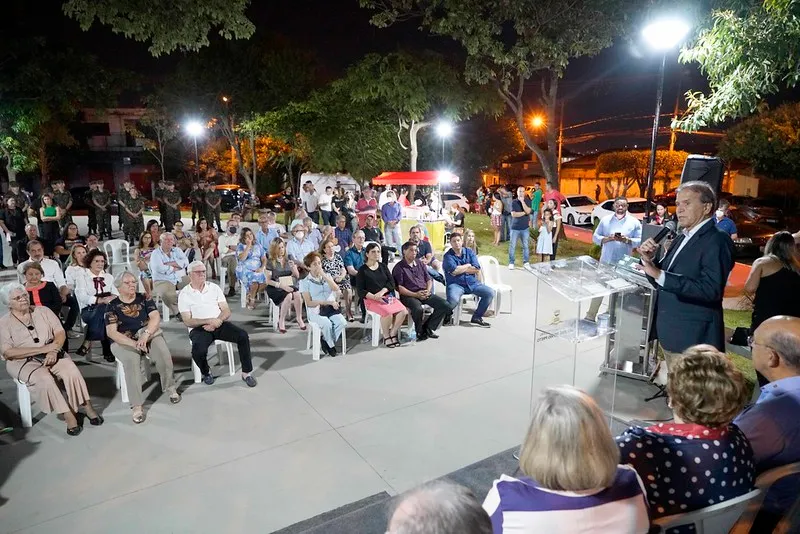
(444, 130)
(195, 129)
(662, 35)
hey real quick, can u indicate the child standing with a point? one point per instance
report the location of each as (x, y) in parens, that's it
(544, 245)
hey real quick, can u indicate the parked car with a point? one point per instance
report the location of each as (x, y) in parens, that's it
(636, 207)
(232, 197)
(759, 210)
(751, 236)
(276, 202)
(451, 198)
(577, 209)
(668, 199)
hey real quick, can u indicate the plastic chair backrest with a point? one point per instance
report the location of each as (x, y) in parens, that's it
(491, 270)
(719, 517)
(113, 249)
(768, 478)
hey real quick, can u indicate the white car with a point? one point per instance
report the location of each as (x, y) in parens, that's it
(635, 207)
(455, 198)
(577, 209)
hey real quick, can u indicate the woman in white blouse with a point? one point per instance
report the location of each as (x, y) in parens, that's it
(94, 288)
(75, 267)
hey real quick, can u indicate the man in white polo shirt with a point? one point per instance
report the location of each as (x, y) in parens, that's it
(205, 311)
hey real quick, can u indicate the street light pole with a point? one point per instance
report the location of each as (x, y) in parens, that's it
(654, 138)
(196, 161)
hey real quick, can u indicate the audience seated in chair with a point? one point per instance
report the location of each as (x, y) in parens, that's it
(415, 285)
(353, 260)
(700, 458)
(228, 259)
(321, 295)
(141, 258)
(282, 277)
(438, 507)
(251, 266)
(205, 311)
(463, 273)
(572, 478)
(75, 265)
(772, 424)
(41, 292)
(133, 326)
(94, 289)
(168, 268)
(69, 238)
(376, 286)
(333, 264)
(31, 341)
(425, 253)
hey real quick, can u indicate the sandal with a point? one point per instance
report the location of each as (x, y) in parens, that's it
(391, 344)
(138, 415)
(251, 303)
(75, 430)
(83, 350)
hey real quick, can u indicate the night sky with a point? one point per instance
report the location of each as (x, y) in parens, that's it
(620, 81)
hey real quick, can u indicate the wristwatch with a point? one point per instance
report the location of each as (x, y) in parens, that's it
(146, 331)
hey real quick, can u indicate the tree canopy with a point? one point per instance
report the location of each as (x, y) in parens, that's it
(510, 41)
(770, 141)
(633, 166)
(168, 25)
(749, 49)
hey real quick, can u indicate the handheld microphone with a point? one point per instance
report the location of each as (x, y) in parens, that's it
(669, 229)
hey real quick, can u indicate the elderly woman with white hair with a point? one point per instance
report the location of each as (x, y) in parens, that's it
(133, 326)
(31, 341)
(570, 465)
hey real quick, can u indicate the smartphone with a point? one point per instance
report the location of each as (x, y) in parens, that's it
(617, 234)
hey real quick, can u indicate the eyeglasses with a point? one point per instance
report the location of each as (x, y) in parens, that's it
(22, 298)
(199, 272)
(751, 342)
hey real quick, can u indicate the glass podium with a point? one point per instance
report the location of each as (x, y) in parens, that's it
(568, 349)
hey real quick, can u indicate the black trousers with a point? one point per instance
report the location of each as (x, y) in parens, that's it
(202, 340)
(358, 296)
(440, 309)
(555, 249)
(72, 314)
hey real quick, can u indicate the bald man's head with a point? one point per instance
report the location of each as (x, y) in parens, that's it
(776, 347)
(439, 507)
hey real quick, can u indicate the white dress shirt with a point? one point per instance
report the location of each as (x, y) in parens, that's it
(163, 272)
(688, 234)
(86, 289)
(203, 304)
(52, 271)
(71, 275)
(227, 240)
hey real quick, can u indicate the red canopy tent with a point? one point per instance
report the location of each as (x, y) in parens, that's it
(415, 178)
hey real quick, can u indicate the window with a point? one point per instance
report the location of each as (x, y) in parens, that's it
(449, 196)
(636, 207)
(580, 201)
(608, 205)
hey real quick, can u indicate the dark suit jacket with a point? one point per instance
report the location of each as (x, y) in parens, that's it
(689, 305)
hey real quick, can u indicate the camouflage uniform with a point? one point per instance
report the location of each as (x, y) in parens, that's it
(197, 198)
(171, 215)
(22, 199)
(158, 195)
(122, 197)
(134, 226)
(212, 196)
(62, 199)
(103, 215)
(87, 199)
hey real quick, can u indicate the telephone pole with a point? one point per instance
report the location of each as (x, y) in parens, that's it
(560, 140)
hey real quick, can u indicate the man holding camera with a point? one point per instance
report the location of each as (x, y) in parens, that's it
(617, 234)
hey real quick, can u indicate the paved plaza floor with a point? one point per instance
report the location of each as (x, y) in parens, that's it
(311, 437)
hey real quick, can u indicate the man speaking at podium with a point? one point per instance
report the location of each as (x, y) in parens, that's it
(690, 278)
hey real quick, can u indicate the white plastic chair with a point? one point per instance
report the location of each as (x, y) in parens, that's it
(374, 320)
(491, 277)
(764, 481)
(314, 340)
(228, 347)
(164, 308)
(426, 310)
(120, 378)
(463, 300)
(719, 517)
(113, 249)
(24, 398)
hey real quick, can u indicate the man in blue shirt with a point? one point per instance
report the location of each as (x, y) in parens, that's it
(618, 234)
(425, 253)
(519, 229)
(265, 234)
(343, 234)
(772, 425)
(353, 260)
(724, 222)
(390, 214)
(168, 266)
(462, 271)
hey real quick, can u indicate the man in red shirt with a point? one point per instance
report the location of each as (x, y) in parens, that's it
(555, 194)
(366, 206)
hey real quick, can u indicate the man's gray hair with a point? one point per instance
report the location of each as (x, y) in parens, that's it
(7, 289)
(706, 192)
(194, 264)
(164, 235)
(120, 278)
(439, 507)
(360, 233)
(30, 225)
(787, 346)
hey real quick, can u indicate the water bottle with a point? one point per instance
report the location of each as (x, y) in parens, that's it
(412, 335)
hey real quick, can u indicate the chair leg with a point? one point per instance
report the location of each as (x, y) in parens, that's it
(316, 339)
(376, 329)
(231, 361)
(24, 398)
(196, 372)
(121, 385)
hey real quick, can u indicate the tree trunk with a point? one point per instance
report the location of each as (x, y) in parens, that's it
(255, 162)
(412, 139)
(10, 170)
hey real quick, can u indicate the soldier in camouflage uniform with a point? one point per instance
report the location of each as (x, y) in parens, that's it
(197, 198)
(87, 199)
(20, 197)
(172, 209)
(158, 196)
(133, 207)
(63, 199)
(101, 199)
(212, 206)
(123, 194)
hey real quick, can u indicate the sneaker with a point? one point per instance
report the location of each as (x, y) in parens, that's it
(480, 322)
(527, 266)
(250, 381)
(510, 266)
(208, 379)
(231, 292)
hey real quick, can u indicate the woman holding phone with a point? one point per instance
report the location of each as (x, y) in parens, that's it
(375, 283)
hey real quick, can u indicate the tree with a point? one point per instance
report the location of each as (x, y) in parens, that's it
(510, 41)
(770, 141)
(168, 25)
(748, 50)
(633, 166)
(416, 89)
(157, 128)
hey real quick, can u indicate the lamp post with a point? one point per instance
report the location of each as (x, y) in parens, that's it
(194, 128)
(444, 130)
(662, 35)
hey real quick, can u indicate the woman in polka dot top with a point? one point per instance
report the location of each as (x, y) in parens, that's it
(701, 458)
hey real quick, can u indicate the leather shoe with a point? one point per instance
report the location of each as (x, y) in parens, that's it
(231, 292)
(431, 334)
(250, 381)
(422, 336)
(208, 379)
(480, 322)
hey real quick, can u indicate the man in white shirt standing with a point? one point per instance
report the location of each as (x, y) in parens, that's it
(618, 234)
(310, 200)
(52, 273)
(227, 243)
(205, 311)
(326, 207)
(168, 266)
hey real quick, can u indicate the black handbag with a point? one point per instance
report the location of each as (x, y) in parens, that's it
(326, 310)
(94, 317)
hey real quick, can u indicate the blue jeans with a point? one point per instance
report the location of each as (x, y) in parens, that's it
(504, 230)
(512, 245)
(535, 219)
(436, 275)
(484, 293)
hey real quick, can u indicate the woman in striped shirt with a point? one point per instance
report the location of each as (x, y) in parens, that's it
(572, 482)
